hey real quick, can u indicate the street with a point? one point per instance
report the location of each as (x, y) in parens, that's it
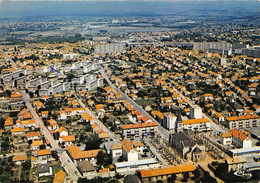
(102, 126)
(70, 168)
(163, 132)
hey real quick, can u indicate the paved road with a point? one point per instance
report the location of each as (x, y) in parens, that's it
(163, 132)
(213, 125)
(102, 126)
(70, 168)
(68, 165)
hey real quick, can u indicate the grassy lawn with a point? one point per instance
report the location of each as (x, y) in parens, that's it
(55, 169)
(147, 102)
(46, 179)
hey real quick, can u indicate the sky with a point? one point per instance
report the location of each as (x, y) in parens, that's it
(127, 0)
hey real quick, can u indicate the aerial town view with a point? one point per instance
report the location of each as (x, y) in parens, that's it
(129, 91)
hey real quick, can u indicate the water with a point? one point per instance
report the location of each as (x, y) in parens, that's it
(37, 9)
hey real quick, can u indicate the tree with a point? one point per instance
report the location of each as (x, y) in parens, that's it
(6, 169)
(42, 147)
(145, 152)
(54, 154)
(5, 145)
(92, 141)
(31, 94)
(113, 128)
(172, 178)
(37, 93)
(8, 93)
(100, 158)
(121, 158)
(185, 177)
(26, 165)
(196, 174)
(75, 86)
(104, 158)
(2, 122)
(70, 76)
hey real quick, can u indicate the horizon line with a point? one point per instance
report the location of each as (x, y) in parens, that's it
(123, 0)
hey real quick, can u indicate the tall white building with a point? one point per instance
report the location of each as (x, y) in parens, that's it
(109, 48)
(251, 52)
(195, 112)
(169, 121)
(223, 62)
(223, 45)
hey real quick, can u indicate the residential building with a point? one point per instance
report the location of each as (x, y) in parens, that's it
(236, 164)
(251, 52)
(60, 177)
(44, 154)
(169, 121)
(67, 140)
(139, 129)
(17, 131)
(44, 170)
(132, 166)
(195, 112)
(244, 121)
(109, 48)
(215, 47)
(154, 175)
(86, 169)
(198, 125)
(77, 155)
(19, 159)
(240, 139)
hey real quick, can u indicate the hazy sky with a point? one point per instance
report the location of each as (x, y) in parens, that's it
(126, 0)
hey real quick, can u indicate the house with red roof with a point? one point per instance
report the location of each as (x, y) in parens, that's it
(44, 154)
(240, 139)
(63, 131)
(244, 121)
(8, 123)
(67, 140)
(32, 135)
(62, 115)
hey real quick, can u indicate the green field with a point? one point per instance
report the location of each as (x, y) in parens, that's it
(145, 102)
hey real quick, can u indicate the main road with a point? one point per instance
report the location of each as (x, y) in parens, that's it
(163, 132)
(68, 165)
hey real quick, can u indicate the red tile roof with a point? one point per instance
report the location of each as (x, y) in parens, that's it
(139, 125)
(167, 170)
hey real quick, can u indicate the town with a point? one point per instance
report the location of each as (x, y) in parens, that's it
(175, 106)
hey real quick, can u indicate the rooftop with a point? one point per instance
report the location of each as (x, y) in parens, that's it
(139, 125)
(167, 170)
